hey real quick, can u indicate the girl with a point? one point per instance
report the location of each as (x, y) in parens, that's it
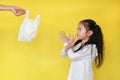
(84, 51)
(16, 10)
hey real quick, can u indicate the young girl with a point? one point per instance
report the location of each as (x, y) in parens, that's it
(84, 51)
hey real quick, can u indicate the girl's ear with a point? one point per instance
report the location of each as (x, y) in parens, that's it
(89, 33)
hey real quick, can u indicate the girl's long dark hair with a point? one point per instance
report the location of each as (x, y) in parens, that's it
(96, 38)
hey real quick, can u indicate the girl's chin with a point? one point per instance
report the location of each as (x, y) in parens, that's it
(78, 37)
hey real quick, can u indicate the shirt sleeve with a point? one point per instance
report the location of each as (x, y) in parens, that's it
(87, 51)
(63, 53)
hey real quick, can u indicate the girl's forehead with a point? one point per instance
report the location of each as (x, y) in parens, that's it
(81, 25)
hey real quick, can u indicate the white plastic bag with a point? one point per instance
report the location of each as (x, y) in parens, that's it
(28, 29)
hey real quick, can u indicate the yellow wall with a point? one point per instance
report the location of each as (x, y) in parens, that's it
(40, 59)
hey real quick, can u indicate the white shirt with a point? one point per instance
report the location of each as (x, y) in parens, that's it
(81, 62)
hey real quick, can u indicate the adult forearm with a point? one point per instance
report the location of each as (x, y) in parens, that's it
(5, 8)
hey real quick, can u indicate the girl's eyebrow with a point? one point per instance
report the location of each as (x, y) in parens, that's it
(78, 28)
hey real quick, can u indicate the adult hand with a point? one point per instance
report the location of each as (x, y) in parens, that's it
(17, 10)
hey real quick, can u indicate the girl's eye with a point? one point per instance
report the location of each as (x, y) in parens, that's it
(79, 28)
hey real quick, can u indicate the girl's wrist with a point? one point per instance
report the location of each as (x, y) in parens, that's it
(66, 48)
(65, 44)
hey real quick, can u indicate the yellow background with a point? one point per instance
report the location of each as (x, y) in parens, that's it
(40, 59)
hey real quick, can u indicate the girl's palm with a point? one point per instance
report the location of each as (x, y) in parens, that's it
(63, 37)
(71, 40)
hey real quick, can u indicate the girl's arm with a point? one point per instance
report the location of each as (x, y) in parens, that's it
(68, 40)
(63, 52)
(88, 51)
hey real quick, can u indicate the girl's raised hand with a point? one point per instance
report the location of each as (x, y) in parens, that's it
(63, 37)
(71, 40)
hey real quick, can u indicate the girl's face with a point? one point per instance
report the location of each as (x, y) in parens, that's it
(81, 32)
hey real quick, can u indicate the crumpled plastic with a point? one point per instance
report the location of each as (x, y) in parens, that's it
(29, 28)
